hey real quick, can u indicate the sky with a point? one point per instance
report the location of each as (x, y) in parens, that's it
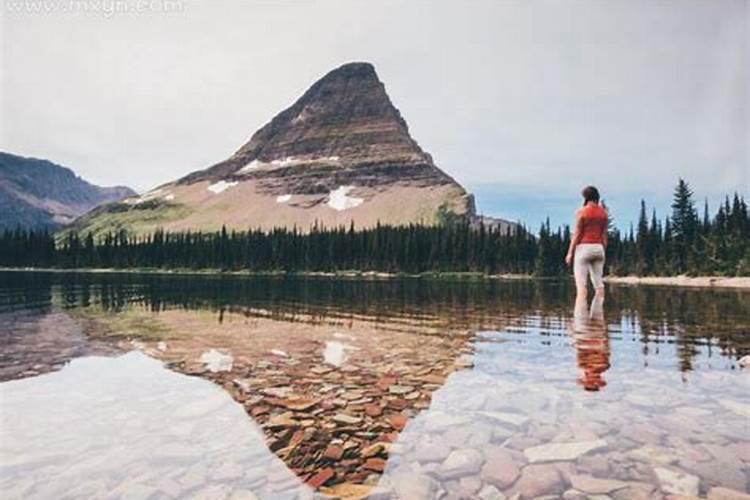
(522, 101)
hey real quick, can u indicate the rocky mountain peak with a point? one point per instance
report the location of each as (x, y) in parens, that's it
(344, 119)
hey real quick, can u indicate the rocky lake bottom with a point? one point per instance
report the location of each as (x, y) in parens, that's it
(197, 387)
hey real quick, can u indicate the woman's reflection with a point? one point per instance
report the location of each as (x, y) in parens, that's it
(591, 341)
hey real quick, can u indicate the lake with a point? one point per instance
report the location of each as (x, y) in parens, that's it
(228, 387)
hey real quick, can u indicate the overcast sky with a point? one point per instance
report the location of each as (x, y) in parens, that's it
(523, 102)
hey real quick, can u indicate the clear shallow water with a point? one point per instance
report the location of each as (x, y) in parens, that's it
(639, 398)
(535, 400)
(125, 427)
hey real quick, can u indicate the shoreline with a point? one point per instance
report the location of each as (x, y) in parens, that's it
(735, 282)
(682, 281)
(347, 274)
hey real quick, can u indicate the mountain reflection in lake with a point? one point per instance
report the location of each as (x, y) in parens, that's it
(128, 428)
(402, 388)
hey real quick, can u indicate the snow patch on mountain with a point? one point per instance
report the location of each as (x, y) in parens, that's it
(284, 162)
(221, 186)
(253, 165)
(339, 199)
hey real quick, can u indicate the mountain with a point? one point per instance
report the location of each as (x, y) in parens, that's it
(40, 194)
(341, 153)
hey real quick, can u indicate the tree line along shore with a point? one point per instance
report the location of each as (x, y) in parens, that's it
(684, 243)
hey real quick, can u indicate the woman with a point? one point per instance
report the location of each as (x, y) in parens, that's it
(587, 245)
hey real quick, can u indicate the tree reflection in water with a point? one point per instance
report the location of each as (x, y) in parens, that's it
(703, 323)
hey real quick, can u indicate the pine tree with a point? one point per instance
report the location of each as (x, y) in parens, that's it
(643, 238)
(684, 224)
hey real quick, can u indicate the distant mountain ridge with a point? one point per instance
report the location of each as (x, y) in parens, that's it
(40, 194)
(340, 154)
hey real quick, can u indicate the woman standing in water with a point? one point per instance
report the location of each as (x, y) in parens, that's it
(588, 243)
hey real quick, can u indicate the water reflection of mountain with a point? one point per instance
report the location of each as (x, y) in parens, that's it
(160, 435)
(43, 339)
(710, 320)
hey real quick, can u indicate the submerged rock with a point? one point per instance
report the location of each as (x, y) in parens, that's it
(553, 452)
(636, 491)
(350, 491)
(415, 486)
(343, 418)
(243, 495)
(375, 450)
(677, 482)
(400, 389)
(375, 464)
(398, 422)
(431, 449)
(720, 493)
(594, 485)
(721, 472)
(500, 469)
(537, 480)
(742, 409)
(489, 492)
(653, 455)
(297, 404)
(515, 419)
(321, 477)
(460, 463)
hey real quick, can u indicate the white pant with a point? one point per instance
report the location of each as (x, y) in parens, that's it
(589, 260)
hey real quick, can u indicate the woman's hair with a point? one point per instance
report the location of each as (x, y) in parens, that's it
(590, 193)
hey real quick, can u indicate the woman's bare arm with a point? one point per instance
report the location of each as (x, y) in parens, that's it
(575, 238)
